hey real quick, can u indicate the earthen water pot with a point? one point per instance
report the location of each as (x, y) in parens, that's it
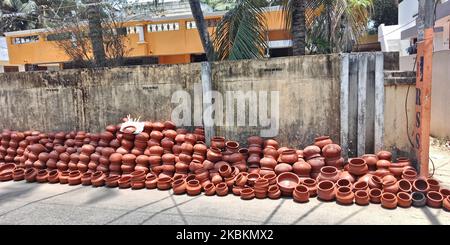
(255, 141)
(210, 189)
(151, 181)
(344, 195)
(241, 179)
(418, 199)
(283, 168)
(384, 155)
(301, 193)
(53, 176)
(434, 184)
(357, 166)
(375, 182)
(232, 146)
(179, 186)
(396, 169)
(371, 161)
(271, 152)
(362, 197)
(388, 200)
(86, 178)
(289, 156)
(445, 192)
(271, 142)
(420, 185)
(404, 199)
(331, 151)
(98, 179)
(218, 142)
(268, 162)
(247, 193)
(326, 190)
(301, 168)
(343, 182)
(346, 175)
(322, 141)
(390, 186)
(64, 177)
(273, 192)
(214, 154)
(312, 186)
(328, 173)
(434, 199)
(42, 176)
(375, 195)
(271, 178)
(311, 152)
(193, 187)
(74, 177)
(18, 174)
(124, 182)
(383, 164)
(222, 189)
(335, 162)
(360, 185)
(316, 164)
(225, 171)
(287, 182)
(404, 186)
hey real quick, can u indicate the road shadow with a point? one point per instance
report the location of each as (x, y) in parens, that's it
(310, 211)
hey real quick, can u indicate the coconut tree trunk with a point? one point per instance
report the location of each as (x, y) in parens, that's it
(202, 28)
(96, 33)
(298, 27)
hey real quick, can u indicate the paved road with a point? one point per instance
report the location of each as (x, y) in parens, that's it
(33, 203)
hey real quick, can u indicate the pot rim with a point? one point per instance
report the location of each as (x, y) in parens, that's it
(325, 182)
(329, 170)
(359, 192)
(435, 196)
(247, 191)
(312, 181)
(416, 194)
(357, 161)
(344, 190)
(375, 190)
(427, 186)
(402, 193)
(305, 189)
(388, 196)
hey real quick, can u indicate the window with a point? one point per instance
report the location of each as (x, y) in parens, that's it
(27, 39)
(209, 23)
(191, 25)
(174, 26)
(59, 36)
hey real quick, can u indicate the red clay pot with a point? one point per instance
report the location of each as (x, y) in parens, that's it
(98, 179)
(420, 185)
(271, 142)
(311, 152)
(222, 189)
(86, 178)
(343, 182)
(151, 181)
(388, 200)
(404, 186)
(268, 162)
(225, 171)
(164, 183)
(384, 155)
(445, 192)
(18, 174)
(214, 154)
(383, 164)
(390, 186)
(241, 179)
(64, 177)
(346, 175)
(358, 167)
(287, 183)
(271, 178)
(6, 176)
(335, 162)
(42, 176)
(322, 141)
(237, 190)
(301, 193)
(331, 151)
(434, 199)
(371, 161)
(312, 186)
(375, 182)
(409, 174)
(326, 190)
(289, 156)
(375, 195)
(301, 168)
(344, 195)
(124, 182)
(282, 168)
(74, 177)
(362, 197)
(360, 185)
(328, 173)
(273, 192)
(255, 141)
(247, 193)
(179, 186)
(193, 187)
(404, 199)
(446, 203)
(434, 184)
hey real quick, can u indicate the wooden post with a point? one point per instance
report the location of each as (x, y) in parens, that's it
(425, 26)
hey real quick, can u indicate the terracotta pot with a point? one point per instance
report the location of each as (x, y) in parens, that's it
(64, 177)
(375, 195)
(98, 179)
(360, 185)
(404, 199)
(322, 141)
(409, 175)
(164, 183)
(375, 182)
(344, 195)
(289, 156)
(445, 192)
(209, 189)
(218, 142)
(390, 186)
(362, 197)
(271, 142)
(396, 169)
(232, 146)
(311, 152)
(193, 187)
(241, 179)
(42, 176)
(6, 176)
(326, 190)
(251, 178)
(328, 173)
(331, 151)
(388, 178)
(18, 174)
(273, 192)
(74, 177)
(418, 199)
(343, 182)
(225, 171)
(86, 178)
(434, 199)
(301, 193)
(383, 164)
(137, 185)
(404, 186)
(222, 189)
(301, 168)
(179, 186)
(229, 181)
(312, 186)
(124, 182)
(420, 185)
(384, 155)
(271, 152)
(237, 190)
(446, 203)
(346, 175)
(255, 140)
(287, 183)
(151, 181)
(335, 162)
(371, 160)
(434, 184)
(358, 166)
(282, 168)
(268, 162)
(316, 164)
(247, 194)
(271, 178)
(214, 154)
(388, 200)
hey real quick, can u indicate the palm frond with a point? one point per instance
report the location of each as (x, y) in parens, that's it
(241, 34)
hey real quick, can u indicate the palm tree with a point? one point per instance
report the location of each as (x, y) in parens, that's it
(16, 15)
(202, 28)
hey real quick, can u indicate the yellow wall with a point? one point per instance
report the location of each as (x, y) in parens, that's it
(175, 46)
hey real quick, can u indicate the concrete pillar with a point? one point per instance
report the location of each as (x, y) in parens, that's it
(22, 68)
(2, 69)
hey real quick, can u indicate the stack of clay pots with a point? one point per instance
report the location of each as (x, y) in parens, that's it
(255, 145)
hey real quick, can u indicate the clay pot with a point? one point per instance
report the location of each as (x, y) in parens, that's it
(241, 179)
(86, 179)
(222, 189)
(404, 199)
(311, 152)
(218, 142)
(210, 189)
(64, 177)
(312, 186)
(271, 178)
(124, 182)
(287, 182)
(396, 169)
(193, 187)
(375, 182)
(328, 173)
(232, 146)
(151, 181)
(360, 185)
(268, 162)
(98, 179)
(301, 193)
(18, 174)
(74, 177)
(388, 200)
(282, 168)
(237, 190)
(389, 177)
(343, 182)
(273, 192)
(322, 141)
(255, 141)
(446, 203)
(271, 142)
(434, 199)
(179, 186)
(214, 154)
(404, 186)
(434, 184)
(6, 176)
(358, 166)
(418, 199)
(371, 161)
(362, 197)
(390, 186)
(331, 151)
(301, 168)
(384, 155)
(409, 175)
(247, 194)
(375, 195)
(344, 195)
(335, 162)
(288, 156)
(420, 185)
(346, 175)
(42, 176)
(225, 171)
(383, 164)
(445, 192)
(326, 190)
